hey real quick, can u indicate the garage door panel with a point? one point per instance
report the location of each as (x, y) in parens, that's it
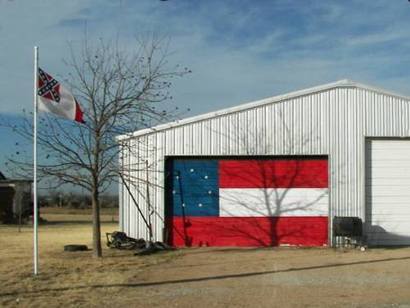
(379, 146)
(387, 199)
(247, 202)
(395, 191)
(388, 204)
(396, 235)
(391, 226)
(387, 196)
(390, 165)
(397, 213)
(394, 156)
(388, 178)
(388, 239)
(388, 192)
(393, 175)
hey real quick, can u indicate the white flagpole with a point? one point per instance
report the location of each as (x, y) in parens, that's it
(35, 208)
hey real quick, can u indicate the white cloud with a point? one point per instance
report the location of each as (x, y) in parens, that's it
(238, 52)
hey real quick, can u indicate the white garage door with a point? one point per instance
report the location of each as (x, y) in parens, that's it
(388, 192)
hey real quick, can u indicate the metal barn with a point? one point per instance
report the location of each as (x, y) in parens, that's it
(274, 171)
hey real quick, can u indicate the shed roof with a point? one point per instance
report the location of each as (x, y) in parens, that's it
(4, 180)
(344, 83)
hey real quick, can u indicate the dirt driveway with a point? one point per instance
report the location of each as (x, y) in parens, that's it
(196, 277)
(277, 278)
(224, 278)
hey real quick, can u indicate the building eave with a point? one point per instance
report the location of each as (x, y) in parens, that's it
(344, 83)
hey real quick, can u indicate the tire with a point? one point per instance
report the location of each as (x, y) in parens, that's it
(75, 248)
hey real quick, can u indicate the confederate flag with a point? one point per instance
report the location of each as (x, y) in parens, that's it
(56, 99)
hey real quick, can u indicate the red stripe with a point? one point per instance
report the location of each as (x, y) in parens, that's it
(247, 231)
(78, 113)
(308, 173)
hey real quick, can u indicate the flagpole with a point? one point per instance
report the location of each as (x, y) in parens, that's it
(35, 207)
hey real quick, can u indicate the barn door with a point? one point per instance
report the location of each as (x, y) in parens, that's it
(247, 201)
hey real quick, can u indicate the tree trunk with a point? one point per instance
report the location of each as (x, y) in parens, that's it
(97, 251)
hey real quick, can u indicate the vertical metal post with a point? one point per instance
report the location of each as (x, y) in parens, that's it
(35, 207)
(148, 203)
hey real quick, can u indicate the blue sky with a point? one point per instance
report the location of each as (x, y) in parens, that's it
(238, 50)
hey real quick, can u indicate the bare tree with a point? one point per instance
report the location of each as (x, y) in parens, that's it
(120, 92)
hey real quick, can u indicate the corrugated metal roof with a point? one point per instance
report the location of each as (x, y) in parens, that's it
(344, 83)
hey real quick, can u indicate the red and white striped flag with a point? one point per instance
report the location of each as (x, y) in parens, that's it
(248, 202)
(56, 99)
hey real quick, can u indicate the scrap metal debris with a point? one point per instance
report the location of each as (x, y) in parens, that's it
(120, 240)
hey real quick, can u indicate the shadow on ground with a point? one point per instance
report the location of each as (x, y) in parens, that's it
(199, 279)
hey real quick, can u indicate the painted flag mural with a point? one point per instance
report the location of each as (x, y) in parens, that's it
(247, 202)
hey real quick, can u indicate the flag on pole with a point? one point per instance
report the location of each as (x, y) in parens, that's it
(56, 99)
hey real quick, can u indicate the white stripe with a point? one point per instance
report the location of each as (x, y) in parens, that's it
(65, 108)
(260, 202)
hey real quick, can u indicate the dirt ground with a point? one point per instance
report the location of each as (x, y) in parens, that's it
(196, 277)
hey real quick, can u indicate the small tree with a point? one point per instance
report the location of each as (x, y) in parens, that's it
(120, 92)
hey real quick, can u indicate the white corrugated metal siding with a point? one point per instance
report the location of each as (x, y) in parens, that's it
(331, 120)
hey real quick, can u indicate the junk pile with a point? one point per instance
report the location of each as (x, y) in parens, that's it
(120, 240)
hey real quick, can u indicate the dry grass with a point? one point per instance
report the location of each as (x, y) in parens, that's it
(53, 215)
(202, 277)
(65, 277)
